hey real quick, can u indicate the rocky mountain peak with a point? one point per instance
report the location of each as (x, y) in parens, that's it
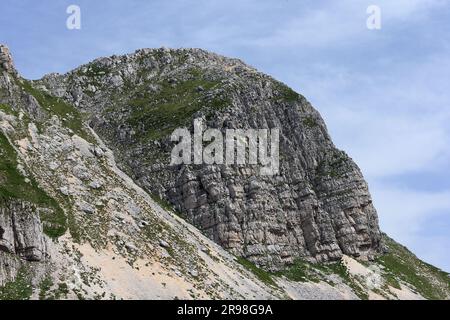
(317, 208)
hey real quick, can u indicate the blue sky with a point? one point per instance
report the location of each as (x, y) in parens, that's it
(384, 93)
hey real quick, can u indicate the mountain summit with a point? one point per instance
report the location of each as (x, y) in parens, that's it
(317, 208)
(91, 207)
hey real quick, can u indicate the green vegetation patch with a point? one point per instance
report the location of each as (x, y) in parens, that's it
(95, 70)
(74, 227)
(310, 122)
(173, 105)
(7, 109)
(334, 167)
(340, 269)
(300, 271)
(401, 264)
(261, 274)
(303, 271)
(48, 291)
(44, 288)
(13, 185)
(19, 289)
(162, 203)
(70, 117)
(285, 93)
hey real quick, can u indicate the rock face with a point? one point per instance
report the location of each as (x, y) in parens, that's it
(318, 207)
(22, 240)
(21, 231)
(6, 61)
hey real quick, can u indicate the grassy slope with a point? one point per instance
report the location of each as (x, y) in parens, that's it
(19, 289)
(174, 103)
(402, 265)
(399, 266)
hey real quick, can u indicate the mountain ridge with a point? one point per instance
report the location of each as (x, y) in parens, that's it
(111, 224)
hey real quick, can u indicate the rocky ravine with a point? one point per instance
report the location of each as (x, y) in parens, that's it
(74, 225)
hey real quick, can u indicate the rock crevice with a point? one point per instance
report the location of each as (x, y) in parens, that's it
(21, 231)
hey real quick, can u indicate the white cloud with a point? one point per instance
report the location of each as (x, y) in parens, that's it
(339, 23)
(403, 211)
(392, 121)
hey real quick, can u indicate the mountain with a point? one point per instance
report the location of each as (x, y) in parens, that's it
(92, 208)
(318, 207)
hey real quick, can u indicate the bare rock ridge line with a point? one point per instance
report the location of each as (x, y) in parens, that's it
(318, 208)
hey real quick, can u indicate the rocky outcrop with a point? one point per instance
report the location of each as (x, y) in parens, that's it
(23, 245)
(318, 207)
(6, 61)
(21, 231)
